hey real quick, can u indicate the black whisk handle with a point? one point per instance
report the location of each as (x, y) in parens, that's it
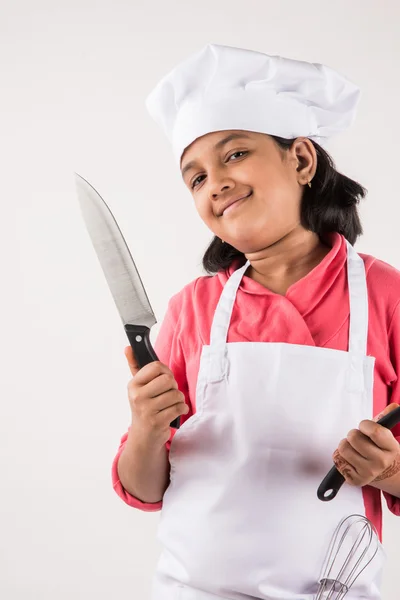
(334, 480)
(330, 485)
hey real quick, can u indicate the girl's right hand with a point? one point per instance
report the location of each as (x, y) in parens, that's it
(154, 398)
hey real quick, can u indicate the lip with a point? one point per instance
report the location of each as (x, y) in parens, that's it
(231, 202)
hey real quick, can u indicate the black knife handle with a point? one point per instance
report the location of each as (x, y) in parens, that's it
(139, 339)
(334, 480)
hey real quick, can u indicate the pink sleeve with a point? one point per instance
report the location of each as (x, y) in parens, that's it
(393, 503)
(169, 352)
(122, 493)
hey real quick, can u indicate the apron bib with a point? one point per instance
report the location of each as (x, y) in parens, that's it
(241, 518)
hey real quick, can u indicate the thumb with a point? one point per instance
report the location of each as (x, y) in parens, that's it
(132, 362)
(387, 410)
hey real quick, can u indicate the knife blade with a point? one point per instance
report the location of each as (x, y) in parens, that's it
(334, 480)
(120, 272)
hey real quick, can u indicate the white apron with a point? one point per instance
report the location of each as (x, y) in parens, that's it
(241, 518)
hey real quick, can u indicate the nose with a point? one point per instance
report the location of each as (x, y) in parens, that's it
(219, 183)
(218, 190)
(218, 180)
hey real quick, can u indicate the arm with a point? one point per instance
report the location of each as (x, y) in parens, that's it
(391, 486)
(144, 472)
(143, 469)
(371, 455)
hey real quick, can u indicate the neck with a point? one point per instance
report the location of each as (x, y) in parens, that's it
(286, 261)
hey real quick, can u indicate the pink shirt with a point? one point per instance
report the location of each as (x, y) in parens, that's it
(314, 312)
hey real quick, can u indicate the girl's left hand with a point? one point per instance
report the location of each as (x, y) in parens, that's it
(369, 453)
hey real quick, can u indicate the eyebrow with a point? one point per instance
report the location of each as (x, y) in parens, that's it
(218, 145)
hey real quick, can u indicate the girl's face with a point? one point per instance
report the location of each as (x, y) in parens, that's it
(224, 165)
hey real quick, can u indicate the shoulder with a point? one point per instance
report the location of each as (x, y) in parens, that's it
(383, 282)
(380, 272)
(194, 297)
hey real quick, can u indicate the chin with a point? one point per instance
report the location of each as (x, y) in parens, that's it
(251, 242)
(254, 244)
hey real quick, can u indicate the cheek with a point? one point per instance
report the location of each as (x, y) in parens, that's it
(276, 181)
(204, 209)
(280, 201)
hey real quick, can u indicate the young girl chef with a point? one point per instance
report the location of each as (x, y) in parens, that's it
(285, 352)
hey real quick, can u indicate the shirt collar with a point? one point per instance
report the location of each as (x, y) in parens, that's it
(318, 280)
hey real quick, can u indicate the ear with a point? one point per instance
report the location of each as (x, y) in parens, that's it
(305, 159)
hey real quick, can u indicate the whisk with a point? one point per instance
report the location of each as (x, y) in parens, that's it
(352, 548)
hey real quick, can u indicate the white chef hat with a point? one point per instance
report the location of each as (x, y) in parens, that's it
(223, 87)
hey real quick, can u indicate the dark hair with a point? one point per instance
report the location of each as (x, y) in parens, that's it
(329, 205)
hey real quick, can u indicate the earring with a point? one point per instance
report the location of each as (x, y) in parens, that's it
(309, 184)
(222, 242)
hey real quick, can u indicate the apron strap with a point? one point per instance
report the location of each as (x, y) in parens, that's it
(218, 362)
(358, 329)
(358, 295)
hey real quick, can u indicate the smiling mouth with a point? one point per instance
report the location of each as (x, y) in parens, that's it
(231, 206)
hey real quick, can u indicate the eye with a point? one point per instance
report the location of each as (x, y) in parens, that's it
(229, 157)
(238, 152)
(193, 184)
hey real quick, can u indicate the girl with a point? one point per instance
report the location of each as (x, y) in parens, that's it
(286, 351)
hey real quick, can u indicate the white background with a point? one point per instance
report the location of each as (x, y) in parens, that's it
(74, 76)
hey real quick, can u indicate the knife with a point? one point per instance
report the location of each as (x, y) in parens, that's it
(332, 483)
(121, 273)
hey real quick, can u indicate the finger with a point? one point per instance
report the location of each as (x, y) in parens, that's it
(362, 444)
(354, 474)
(181, 406)
(386, 411)
(165, 382)
(132, 362)
(345, 468)
(168, 414)
(150, 372)
(354, 458)
(380, 436)
(166, 400)
(367, 467)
